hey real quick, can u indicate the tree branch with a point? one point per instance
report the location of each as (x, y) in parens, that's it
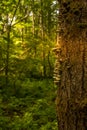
(15, 11)
(20, 20)
(2, 69)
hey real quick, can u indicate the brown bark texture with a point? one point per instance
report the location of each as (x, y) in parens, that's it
(71, 65)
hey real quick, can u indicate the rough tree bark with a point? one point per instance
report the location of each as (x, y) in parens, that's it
(71, 65)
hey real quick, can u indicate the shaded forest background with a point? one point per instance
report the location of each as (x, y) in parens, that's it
(27, 38)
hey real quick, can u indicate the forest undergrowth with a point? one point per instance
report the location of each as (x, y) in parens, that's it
(28, 105)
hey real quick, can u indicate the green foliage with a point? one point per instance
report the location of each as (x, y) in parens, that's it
(27, 37)
(30, 107)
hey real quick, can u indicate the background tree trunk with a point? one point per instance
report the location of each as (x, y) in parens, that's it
(71, 66)
(7, 55)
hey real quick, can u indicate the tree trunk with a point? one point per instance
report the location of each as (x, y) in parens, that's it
(7, 55)
(71, 65)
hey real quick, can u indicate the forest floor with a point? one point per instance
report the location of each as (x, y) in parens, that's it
(28, 105)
